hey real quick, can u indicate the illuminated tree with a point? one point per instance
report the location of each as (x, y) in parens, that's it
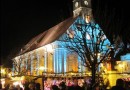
(17, 67)
(89, 42)
(22, 65)
(26, 64)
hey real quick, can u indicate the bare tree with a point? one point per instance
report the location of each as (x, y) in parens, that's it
(89, 42)
(17, 66)
(21, 65)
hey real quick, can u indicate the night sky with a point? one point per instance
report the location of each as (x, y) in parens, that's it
(21, 20)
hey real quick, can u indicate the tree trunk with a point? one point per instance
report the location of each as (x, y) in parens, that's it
(93, 76)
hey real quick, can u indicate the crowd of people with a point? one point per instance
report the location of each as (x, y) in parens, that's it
(27, 86)
(12, 87)
(68, 84)
(121, 85)
(64, 84)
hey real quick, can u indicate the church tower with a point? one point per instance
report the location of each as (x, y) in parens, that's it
(83, 8)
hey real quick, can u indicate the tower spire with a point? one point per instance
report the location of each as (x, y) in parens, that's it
(83, 8)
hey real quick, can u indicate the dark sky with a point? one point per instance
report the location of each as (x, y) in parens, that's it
(23, 19)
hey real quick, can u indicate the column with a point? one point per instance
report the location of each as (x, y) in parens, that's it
(57, 65)
(31, 64)
(45, 60)
(60, 60)
(20, 63)
(38, 59)
(26, 59)
(54, 61)
(79, 64)
(65, 57)
(13, 68)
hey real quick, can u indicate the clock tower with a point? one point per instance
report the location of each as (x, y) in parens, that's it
(82, 7)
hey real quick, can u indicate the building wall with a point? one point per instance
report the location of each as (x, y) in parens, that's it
(57, 62)
(123, 66)
(55, 57)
